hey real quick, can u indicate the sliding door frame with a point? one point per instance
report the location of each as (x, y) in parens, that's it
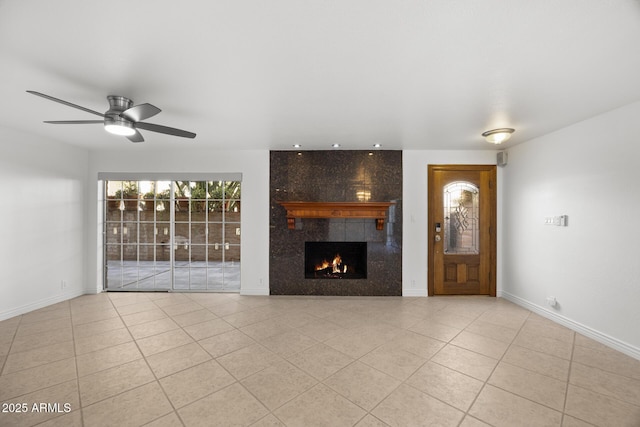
(103, 178)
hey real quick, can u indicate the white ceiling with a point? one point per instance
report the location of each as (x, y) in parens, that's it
(257, 74)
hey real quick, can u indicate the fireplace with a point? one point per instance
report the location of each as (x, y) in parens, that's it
(337, 179)
(335, 260)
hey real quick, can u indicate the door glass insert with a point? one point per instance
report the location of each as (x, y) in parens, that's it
(180, 235)
(461, 218)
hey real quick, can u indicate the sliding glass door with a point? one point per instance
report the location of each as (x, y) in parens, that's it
(172, 235)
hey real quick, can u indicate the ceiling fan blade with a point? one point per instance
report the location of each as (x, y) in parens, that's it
(165, 129)
(73, 122)
(136, 137)
(68, 104)
(140, 112)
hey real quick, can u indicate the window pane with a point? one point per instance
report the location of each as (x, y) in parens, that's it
(198, 232)
(130, 232)
(232, 253)
(181, 253)
(232, 190)
(147, 253)
(181, 278)
(198, 254)
(215, 233)
(114, 255)
(461, 218)
(163, 254)
(114, 189)
(113, 233)
(215, 279)
(232, 234)
(198, 278)
(163, 275)
(231, 276)
(182, 233)
(198, 190)
(215, 189)
(215, 254)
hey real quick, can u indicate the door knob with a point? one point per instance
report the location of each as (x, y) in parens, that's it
(438, 238)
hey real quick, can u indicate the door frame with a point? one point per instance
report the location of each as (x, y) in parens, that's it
(492, 227)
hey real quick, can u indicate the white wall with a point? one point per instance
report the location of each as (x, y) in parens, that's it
(591, 172)
(415, 210)
(42, 238)
(254, 166)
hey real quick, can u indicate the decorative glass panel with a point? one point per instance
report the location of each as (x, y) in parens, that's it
(461, 218)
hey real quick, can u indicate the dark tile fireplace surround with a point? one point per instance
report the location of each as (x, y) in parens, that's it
(336, 176)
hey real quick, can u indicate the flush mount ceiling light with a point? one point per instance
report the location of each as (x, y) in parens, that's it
(377, 145)
(119, 126)
(335, 145)
(498, 136)
(297, 145)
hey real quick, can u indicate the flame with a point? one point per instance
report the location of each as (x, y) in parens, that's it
(336, 265)
(336, 262)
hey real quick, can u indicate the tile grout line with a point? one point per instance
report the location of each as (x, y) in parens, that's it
(566, 390)
(466, 412)
(75, 362)
(102, 370)
(236, 380)
(402, 382)
(486, 382)
(13, 338)
(157, 381)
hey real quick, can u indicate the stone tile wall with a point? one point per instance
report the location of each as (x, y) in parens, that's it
(335, 176)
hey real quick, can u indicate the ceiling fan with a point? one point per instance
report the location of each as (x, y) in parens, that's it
(122, 118)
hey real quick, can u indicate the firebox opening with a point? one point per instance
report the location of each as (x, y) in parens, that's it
(335, 260)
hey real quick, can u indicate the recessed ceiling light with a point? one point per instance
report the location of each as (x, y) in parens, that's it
(498, 136)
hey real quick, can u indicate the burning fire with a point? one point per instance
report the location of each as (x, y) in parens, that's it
(336, 265)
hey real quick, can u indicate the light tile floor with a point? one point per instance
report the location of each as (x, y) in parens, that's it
(170, 359)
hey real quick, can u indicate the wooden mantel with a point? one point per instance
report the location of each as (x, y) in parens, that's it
(376, 210)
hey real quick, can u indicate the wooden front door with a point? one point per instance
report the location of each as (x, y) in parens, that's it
(462, 230)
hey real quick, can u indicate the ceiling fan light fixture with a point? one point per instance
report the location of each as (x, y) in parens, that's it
(120, 130)
(119, 126)
(122, 119)
(498, 136)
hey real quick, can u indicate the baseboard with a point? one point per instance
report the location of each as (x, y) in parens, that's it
(595, 335)
(414, 292)
(40, 304)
